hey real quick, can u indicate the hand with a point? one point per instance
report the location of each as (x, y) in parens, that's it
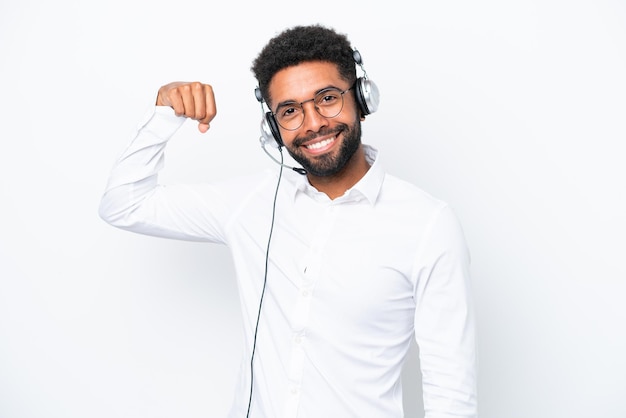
(193, 100)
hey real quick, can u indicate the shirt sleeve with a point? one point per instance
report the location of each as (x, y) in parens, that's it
(444, 321)
(134, 200)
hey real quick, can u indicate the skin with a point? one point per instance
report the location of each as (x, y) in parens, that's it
(299, 83)
(330, 173)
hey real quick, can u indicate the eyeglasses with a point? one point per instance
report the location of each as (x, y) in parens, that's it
(328, 103)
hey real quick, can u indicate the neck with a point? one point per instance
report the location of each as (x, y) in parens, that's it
(336, 185)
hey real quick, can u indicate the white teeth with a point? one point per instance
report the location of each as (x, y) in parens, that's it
(321, 144)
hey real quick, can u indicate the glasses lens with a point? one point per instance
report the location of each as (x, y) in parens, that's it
(328, 103)
(290, 116)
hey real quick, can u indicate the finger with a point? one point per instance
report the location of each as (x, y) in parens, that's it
(197, 93)
(176, 102)
(210, 108)
(188, 101)
(169, 95)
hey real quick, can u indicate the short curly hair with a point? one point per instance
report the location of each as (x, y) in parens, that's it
(303, 44)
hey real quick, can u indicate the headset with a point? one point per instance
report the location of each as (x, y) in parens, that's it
(367, 98)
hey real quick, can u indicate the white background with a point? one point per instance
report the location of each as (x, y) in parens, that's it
(514, 112)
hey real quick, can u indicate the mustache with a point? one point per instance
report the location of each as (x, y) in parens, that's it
(298, 141)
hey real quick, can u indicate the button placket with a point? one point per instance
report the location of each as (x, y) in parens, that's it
(311, 273)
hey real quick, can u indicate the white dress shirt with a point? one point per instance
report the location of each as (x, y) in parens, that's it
(350, 281)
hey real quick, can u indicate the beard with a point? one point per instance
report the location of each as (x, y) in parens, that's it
(328, 164)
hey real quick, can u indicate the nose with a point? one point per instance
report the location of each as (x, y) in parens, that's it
(313, 121)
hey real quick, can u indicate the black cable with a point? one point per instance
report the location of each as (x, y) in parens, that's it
(267, 252)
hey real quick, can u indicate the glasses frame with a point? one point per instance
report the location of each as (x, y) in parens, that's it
(341, 93)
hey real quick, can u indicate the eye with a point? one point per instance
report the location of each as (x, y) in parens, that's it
(327, 98)
(288, 111)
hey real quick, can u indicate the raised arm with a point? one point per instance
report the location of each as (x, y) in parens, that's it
(134, 200)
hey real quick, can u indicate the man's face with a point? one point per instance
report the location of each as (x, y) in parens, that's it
(322, 145)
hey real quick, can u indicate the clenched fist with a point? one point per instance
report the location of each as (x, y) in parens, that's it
(193, 100)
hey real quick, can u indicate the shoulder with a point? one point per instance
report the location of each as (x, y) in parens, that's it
(418, 209)
(397, 191)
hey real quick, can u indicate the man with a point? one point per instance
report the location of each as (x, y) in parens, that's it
(339, 266)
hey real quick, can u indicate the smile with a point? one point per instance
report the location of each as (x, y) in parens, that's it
(319, 145)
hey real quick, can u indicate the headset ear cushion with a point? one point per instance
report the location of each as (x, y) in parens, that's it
(270, 132)
(267, 138)
(367, 95)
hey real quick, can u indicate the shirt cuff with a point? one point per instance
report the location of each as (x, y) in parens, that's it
(161, 121)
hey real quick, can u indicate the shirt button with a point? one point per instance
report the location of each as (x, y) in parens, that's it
(305, 293)
(297, 340)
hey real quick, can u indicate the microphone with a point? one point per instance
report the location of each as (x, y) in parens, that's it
(296, 169)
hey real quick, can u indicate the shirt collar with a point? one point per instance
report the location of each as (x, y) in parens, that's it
(368, 187)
